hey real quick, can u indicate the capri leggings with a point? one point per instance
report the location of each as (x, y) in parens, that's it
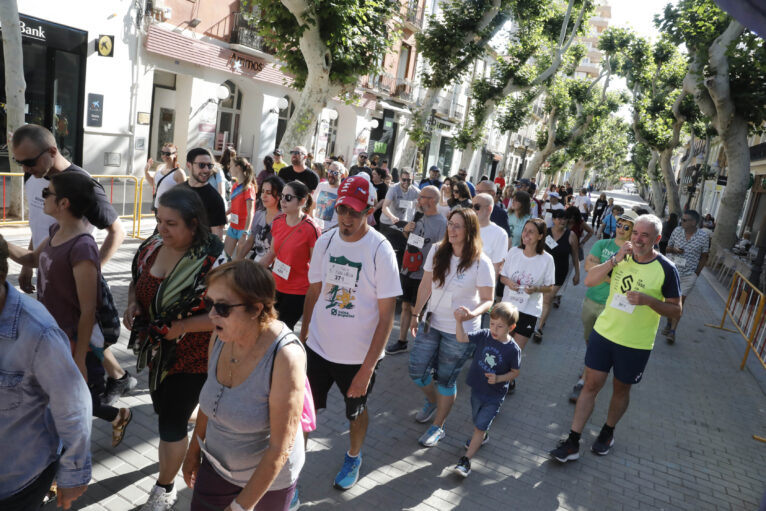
(174, 401)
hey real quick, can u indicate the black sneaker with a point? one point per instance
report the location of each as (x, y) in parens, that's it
(396, 348)
(566, 451)
(463, 467)
(538, 336)
(483, 440)
(117, 388)
(603, 443)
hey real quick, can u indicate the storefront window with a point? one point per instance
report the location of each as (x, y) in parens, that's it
(229, 111)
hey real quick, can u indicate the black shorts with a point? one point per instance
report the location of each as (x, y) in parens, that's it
(525, 325)
(174, 401)
(409, 289)
(322, 374)
(603, 354)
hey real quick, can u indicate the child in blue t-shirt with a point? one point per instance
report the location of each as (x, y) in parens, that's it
(495, 364)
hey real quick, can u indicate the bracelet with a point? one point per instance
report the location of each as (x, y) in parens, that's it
(235, 506)
(613, 260)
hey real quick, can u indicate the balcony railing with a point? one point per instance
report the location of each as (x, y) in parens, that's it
(389, 85)
(415, 15)
(246, 34)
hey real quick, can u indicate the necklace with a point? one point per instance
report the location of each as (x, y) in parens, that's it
(233, 361)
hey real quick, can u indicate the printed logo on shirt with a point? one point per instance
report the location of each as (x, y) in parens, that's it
(340, 299)
(626, 283)
(490, 359)
(326, 205)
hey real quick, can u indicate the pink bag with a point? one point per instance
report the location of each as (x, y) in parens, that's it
(309, 414)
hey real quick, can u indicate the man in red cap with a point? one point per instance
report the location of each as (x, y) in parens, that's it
(349, 312)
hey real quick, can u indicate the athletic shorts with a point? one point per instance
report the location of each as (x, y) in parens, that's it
(484, 409)
(231, 232)
(603, 354)
(322, 374)
(174, 401)
(409, 289)
(525, 325)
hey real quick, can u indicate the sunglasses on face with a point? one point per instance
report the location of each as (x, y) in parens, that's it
(222, 309)
(167, 153)
(624, 227)
(203, 165)
(477, 207)
(288, 197)
(362, 157)
(406, 180)
(333, 173)
(295, 152)
(455, 190)
(47, 193)
(31, 162)
(345, 210)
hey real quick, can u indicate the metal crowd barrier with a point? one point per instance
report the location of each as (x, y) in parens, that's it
(128, 204)
(139, 210)
(745, 308)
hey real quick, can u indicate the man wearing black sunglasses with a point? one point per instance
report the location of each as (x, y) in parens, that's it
(34, 148)
(361, 166)
(201, 165)
(298, 170)
(399, 209)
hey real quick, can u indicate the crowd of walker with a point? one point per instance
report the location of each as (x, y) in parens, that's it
(217, 290)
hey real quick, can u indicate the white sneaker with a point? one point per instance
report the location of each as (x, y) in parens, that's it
(160, 500)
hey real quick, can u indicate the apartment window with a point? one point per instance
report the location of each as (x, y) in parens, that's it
(284, 116)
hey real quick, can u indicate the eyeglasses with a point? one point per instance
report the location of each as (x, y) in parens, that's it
(295, 152)
(202, 165)
(477, 207)
(167, 153)
(288, 197)
(333, 173)
(47, 193)
(31, 162)
(624, 227)
(343, 210)
(222, 309)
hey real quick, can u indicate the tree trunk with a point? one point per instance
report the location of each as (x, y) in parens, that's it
(671, 187)
(411, 148)
(15, 88)
(317, 91)
(578, 174)
(658, 199)
(734, 139)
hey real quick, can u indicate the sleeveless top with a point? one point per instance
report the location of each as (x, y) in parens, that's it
(164, 182)
(238, 420)
(561, 254)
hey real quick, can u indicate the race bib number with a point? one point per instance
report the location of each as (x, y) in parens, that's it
(234, 218)
(405, 204)
(281, 269)
(416, 241)
(341, 275)
(620, 302)
(550, 242)
(442, 303)
(518, 298)
(680, 261)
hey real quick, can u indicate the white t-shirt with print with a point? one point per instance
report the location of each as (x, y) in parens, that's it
(345, 317)
(459, 289)
(527, 271)
(495, 242)
(325, 197)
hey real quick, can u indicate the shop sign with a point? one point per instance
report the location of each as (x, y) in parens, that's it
(95, 110)
(37, 32)
(105, 45)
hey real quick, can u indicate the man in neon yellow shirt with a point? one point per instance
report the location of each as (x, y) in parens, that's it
(644, 285)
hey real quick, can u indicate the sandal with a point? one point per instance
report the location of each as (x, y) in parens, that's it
(50, 495)
(118, 430)
(556, 301)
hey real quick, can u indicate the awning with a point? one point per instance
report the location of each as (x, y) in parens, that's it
(388, 106)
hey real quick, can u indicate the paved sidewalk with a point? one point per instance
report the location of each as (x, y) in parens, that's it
(685, 442)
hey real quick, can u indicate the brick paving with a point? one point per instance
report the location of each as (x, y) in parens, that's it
(684, 443)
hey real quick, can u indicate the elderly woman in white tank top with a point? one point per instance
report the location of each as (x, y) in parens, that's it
(247, 449)
(168, 174)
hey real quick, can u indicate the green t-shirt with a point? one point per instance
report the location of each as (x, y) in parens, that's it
(636, 328)
(603, 250)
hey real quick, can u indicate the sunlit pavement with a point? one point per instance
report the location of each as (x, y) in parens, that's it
(684, 443)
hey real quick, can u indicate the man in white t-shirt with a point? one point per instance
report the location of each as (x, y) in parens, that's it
(349, 312)
(326, 195)
(493, 237)
(584, 204)
(555, 203)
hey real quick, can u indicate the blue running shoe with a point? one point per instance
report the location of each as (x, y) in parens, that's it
(432, 436)
(349, 472)
(426, 413)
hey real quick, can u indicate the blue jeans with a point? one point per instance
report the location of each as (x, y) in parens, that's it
(440, 354)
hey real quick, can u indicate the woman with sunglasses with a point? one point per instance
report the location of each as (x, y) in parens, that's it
(69, 283)
(167, 175)
(563, 245)
(528, 274)
(294, 235)
(170, 327)
(258, 241)
(247, 449)
(457, 275)
(461, 195)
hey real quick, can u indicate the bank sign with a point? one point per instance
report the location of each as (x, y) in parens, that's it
(51, 34)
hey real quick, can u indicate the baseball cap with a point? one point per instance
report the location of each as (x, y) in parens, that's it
(629, 215)
(554, 194)
(524, 182)
(434, 167)
(278, 152)
(354, 192)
